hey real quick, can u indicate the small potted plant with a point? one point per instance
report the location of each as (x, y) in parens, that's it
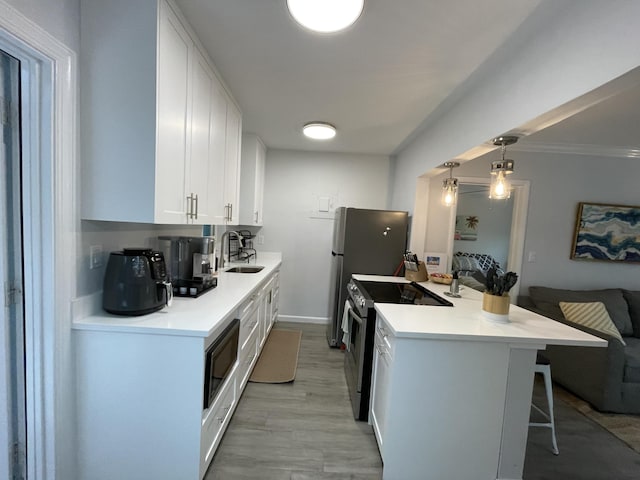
(495, 299)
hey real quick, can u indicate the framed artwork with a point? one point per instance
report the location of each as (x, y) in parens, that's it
(607, 232)
(435, 262)
(466, 227)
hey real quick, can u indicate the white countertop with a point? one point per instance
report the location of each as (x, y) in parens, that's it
(198, 317)
(464, 321)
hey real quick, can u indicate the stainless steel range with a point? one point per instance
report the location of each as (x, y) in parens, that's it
(361, 317)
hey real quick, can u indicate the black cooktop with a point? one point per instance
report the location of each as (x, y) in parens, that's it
(408, 293)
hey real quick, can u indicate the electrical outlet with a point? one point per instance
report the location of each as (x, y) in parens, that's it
(532, 257)
(95, 256)
(260, 239)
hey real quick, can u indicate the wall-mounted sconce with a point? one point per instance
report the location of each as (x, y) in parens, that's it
(450, 186)
(500, 170)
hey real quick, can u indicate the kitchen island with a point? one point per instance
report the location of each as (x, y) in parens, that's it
(141, 380)
(451, 390)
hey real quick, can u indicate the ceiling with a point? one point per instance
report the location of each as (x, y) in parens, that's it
(379, 80)
(376, 82)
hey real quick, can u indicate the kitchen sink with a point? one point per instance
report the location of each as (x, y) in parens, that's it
(244, 269)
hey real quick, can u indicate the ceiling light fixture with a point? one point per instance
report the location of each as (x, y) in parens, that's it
(500, 185)
(325, 16)
(319, 130)
(450, 186)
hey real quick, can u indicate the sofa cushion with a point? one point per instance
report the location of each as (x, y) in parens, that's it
(547, 300)
(632, 363)
(591, 314)
(633, 300)
(463, 262)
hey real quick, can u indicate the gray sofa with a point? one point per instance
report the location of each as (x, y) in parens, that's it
(608, 378)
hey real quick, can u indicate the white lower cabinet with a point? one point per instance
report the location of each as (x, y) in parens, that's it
(215, 421)
(248, 356)
(382, 360)
(436, 401)
(140, 397)
(249, 344)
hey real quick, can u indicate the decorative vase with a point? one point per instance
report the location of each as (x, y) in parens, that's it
(495, 307)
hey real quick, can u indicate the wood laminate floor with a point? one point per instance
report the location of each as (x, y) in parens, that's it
(305, 431)
(301, 430)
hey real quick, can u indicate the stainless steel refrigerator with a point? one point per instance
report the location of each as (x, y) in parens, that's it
(367, 242)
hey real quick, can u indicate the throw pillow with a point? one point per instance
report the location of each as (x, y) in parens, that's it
(593, 315)
(467, 263)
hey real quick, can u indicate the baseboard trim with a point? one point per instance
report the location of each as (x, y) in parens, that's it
(299, 319)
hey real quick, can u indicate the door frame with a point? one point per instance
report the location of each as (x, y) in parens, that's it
(518, 225)
(51, 227)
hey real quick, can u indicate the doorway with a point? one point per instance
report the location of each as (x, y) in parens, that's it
(13, 437)
(515, 217)
(483, 225)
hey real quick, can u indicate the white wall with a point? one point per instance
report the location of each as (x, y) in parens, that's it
(113, 236)
(60, 18)
(294, 181)
(564, 50)
(558, 184)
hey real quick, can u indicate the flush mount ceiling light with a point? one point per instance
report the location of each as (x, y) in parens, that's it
(325, 16)
(319, 130)
(450, 186)
(500, 185)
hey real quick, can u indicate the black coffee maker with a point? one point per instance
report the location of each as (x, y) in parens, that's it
(136, 282)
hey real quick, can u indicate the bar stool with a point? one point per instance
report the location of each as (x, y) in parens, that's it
(543, 366)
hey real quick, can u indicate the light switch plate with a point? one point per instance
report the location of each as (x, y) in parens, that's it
(323, 204)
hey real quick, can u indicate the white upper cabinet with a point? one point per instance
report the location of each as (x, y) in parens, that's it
(156, 142)
(201, 166)
(173, 111)
(252, 180)
(232, 164)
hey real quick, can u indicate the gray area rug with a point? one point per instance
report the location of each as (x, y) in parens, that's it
(587, 450)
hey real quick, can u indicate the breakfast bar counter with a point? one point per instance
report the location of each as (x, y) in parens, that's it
(451, 390)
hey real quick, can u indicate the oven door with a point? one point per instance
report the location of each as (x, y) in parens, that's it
(354, 358)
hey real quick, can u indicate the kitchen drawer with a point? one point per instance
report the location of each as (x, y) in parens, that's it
(245, 308)
(384, 338)
(247, 358)
(216, 419)
(247, 324)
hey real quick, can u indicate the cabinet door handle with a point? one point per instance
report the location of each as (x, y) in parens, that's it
(196, 202)
(189, 206)
(230, 211)
(256, 214)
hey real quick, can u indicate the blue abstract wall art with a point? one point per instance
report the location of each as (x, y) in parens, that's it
(607, 232)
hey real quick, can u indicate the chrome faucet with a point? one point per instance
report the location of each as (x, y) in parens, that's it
(225, 240)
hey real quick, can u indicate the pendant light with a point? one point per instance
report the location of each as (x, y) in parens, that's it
(501, 169)
(450, 186)
(325, 16)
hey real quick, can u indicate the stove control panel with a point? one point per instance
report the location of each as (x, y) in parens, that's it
(359, 299)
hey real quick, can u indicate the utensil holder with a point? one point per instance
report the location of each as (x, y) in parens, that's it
(419, 276)
(496, 307)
